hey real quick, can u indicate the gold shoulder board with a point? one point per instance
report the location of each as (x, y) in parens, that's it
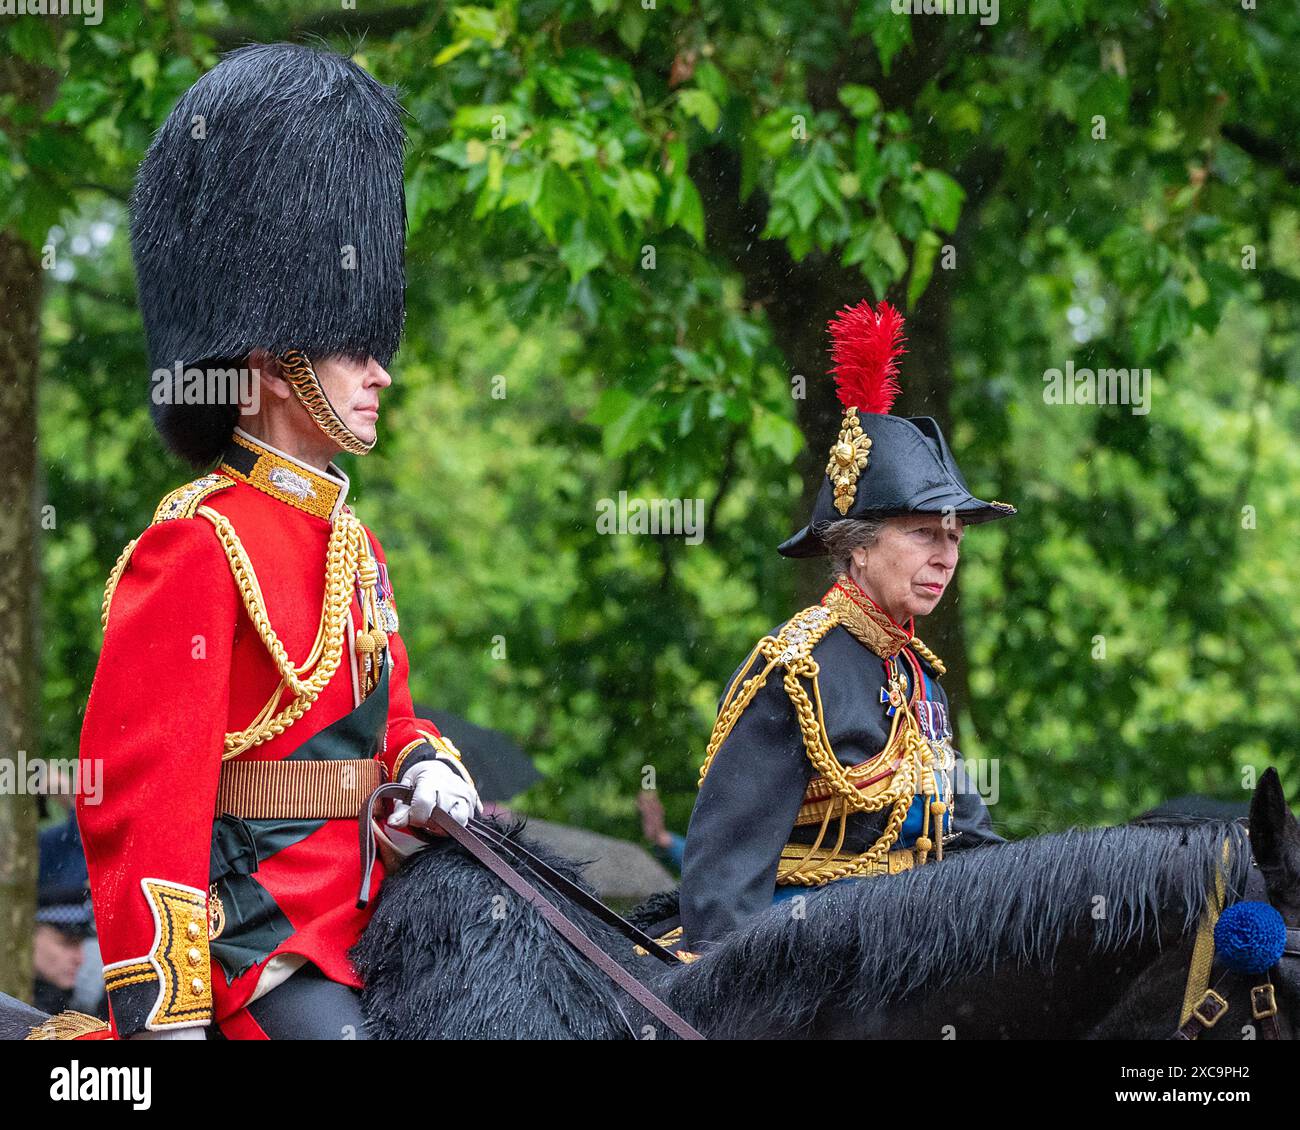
(185, 501)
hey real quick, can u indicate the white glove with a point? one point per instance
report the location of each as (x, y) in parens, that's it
(435, 784)
(171, 1034)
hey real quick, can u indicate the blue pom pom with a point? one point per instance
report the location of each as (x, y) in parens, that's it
(1249, 937)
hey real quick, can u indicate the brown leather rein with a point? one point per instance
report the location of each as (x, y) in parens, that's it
(487, 845)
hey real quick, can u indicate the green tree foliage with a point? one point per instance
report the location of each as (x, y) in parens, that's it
(628, 226)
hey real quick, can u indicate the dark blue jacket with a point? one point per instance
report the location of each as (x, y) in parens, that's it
(749, 799)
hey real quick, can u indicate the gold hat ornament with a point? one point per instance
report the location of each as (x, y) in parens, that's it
(865, 346)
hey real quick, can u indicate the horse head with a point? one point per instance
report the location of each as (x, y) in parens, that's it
(1275, 844)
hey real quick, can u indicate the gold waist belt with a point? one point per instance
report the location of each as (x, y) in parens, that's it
(801, 865)
(297, 790)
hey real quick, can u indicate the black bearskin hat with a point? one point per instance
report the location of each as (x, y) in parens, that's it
(268, 211)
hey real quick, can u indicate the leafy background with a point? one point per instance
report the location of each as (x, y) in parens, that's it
(641, 219)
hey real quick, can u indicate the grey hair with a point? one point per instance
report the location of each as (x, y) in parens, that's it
(843, 537)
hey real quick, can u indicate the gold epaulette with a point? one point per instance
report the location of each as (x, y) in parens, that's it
(801, 633)
(790, 648)
(183, 502)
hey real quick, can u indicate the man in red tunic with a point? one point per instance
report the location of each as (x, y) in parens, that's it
(252, 689)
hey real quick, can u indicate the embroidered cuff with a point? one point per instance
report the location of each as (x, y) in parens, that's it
(169, 987)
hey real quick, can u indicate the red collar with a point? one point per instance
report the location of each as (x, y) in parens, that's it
(865, 620)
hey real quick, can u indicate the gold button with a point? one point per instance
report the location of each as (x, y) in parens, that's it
(192, 929)
(195, 955)
(197, 985)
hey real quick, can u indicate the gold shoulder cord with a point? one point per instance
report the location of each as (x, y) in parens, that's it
(792, 648)
(115, 575)
(347, 556)
(940, 668)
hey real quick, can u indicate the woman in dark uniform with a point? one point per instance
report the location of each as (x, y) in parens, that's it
(832, 755)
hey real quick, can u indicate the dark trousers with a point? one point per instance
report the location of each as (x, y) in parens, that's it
(308, 1006)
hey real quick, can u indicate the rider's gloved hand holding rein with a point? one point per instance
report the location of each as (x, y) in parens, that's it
(437, 783)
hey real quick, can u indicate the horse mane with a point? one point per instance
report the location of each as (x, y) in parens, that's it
(451, 953)
(869, 943)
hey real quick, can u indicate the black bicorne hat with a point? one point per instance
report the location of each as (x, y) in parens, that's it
(269, 211)
(882, 466)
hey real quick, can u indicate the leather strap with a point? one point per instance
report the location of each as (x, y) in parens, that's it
(1210, 1007)
(1206, 1013)
(563, 885)
(1263, 1007)
(474, 843)
(365, 826)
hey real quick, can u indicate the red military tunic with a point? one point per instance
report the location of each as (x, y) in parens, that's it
(183, 666)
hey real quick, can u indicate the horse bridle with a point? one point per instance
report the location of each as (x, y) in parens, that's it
(1212, 1006)
(487, 845)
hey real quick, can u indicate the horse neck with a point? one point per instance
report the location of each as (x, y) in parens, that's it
(1024, 960)
(1081, 989)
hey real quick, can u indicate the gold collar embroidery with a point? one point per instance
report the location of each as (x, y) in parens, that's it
(283, 477)
(864, 620)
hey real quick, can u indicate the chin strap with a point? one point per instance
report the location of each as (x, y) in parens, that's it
(297, 370)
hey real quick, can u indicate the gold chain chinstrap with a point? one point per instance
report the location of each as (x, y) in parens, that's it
(297, 370)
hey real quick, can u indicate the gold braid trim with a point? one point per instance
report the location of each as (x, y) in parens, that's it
(114, 576)
(940, 668)
(792, 648)
(346, 549)
(180, 953)
(404, 753)
(67, 1026)
(904, 738)
(866, 623)
(441, 744)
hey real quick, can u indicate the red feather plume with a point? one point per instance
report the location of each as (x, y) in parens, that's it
(865, 347)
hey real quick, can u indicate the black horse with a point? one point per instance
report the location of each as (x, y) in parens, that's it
(1080, 934)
